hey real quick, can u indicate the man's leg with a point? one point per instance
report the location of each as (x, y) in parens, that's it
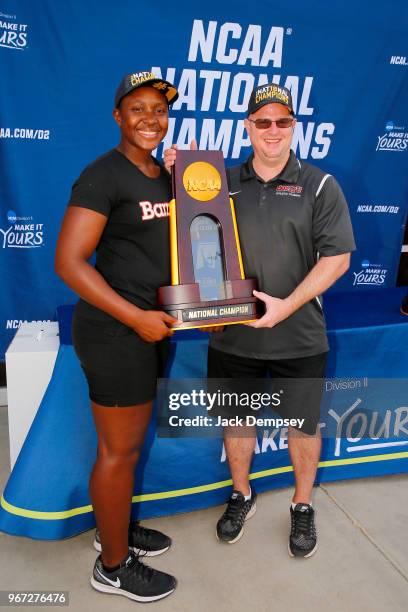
(239, 448)
(239, 442)
(304, 452)
(302, 380)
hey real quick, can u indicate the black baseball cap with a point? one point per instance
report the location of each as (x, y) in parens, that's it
(145, 79)
(266, 94)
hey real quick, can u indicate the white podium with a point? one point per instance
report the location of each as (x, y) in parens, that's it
(30, 361)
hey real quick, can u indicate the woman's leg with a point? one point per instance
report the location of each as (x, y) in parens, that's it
(121, 432)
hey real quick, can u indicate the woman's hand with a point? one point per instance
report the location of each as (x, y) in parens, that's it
(153, 325)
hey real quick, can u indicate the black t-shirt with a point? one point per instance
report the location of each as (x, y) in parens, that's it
(133, 254)
(284, 225)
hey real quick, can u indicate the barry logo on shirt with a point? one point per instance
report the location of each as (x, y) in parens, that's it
(150, 211)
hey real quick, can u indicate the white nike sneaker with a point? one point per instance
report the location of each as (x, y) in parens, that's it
(134, 580)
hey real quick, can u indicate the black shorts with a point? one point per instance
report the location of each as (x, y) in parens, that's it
(120, 367)
(300, 398)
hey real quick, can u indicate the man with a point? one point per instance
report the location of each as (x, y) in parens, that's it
(296, 238)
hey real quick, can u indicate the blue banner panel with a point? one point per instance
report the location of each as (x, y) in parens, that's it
(60, 63)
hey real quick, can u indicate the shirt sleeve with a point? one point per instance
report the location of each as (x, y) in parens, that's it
(95, 189)
(332, 229)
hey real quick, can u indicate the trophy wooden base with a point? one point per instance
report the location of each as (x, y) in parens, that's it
(185, 304)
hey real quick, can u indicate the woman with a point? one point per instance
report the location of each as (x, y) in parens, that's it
(119, 335)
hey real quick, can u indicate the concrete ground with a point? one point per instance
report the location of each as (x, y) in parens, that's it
(361, 564)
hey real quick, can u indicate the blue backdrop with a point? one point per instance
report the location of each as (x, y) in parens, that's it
(60, 63)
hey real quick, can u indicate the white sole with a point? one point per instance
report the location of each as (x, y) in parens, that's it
(105, 588)
(241, 533)
(312, 552)
(138, 551)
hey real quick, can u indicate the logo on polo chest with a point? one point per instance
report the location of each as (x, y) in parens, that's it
(151, 211)
(289, 190)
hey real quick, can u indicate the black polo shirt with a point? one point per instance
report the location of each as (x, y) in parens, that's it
(284, 225)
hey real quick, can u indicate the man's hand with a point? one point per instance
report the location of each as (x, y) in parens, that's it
(154, 325)
(276, 311)
(171, 154)
(322, 276)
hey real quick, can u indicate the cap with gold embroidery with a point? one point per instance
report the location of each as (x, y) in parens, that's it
(145, 79)
(267, 94)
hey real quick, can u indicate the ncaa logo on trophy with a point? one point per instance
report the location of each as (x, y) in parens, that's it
(208, 281)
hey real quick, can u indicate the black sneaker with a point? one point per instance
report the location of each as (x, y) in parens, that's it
(404, 305)
(133, 579)
(230, 527)
(303, 536)
(143, 541)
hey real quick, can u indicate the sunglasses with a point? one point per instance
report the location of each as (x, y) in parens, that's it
(264, 124)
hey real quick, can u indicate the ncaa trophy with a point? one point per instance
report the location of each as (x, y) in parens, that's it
(208, 282)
